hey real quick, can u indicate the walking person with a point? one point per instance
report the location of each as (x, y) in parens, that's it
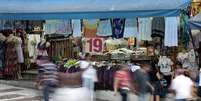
(182, 86)
(160, 87)
(122, 82)
(142, 84)
(47, 78)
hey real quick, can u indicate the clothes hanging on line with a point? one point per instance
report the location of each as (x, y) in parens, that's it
(130, 28)
(33, 40)
(104, 28)
(76, 24)
(20, 55)
(171, 31)
(118, 28)
(90, 27)
(145, 29)
(158, 27)
(58, 27)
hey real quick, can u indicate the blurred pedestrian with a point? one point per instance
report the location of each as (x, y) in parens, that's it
(160, 87)
(142, 84)
(199, 85)
(122, 82)
(47, 77)
(182, 86)
(89, 75)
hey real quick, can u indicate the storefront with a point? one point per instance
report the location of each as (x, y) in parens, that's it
(113, 31)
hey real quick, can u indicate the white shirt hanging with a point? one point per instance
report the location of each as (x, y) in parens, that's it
(171, 31)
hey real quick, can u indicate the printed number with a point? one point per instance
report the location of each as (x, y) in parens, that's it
(95, 45)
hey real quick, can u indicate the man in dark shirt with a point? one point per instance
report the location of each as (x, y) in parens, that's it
(141, 81)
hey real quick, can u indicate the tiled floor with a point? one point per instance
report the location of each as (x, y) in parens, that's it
(11, 93)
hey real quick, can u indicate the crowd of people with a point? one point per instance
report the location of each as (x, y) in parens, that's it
(129, 79)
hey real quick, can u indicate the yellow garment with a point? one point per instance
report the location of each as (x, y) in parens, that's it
(90, 28)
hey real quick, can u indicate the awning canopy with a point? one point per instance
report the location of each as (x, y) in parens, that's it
(195, 22)
(78, 9)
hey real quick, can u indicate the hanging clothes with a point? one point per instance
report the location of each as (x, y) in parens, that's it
(2, 54)
(26, 53)
(184, 18)
(145, 29)
(171, 31)
(183, 58)
(76, 28)
(130, 28)
(104, 28)
(11, 58)
(20, 56)
(90, 27)
(197, 39)
(58, 27)
(118, 28)
(33, 40)
(158, 27)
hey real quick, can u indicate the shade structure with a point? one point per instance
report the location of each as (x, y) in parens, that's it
(78, 9)
(195, 22)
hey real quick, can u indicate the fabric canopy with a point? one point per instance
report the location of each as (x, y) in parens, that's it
(195, 22)
(78, 9)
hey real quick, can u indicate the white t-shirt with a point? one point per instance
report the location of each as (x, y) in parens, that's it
(90, 73)
(165, 64)
(182, 86)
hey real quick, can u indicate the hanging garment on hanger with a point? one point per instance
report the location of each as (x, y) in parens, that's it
(145, 29)
(118, 28)
(2, 54)
(11, 57)
(104, 28)
(33, 40)
(183, 58)
(158, 27)
(130, 28)
(171, 31)
(20, 56)
(58, 27)
(76, 28)
(90, 27)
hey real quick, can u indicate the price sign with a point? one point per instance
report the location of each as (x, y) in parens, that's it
(93, 45)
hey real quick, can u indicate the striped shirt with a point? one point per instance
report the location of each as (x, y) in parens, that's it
(48, 72)
(124, 79)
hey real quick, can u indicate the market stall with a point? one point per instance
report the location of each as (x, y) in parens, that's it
(195, 24)
(120, 16)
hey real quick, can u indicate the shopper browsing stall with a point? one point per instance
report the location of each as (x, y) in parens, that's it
(122, 82)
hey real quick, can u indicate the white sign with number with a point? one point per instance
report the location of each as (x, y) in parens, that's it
(93, 45)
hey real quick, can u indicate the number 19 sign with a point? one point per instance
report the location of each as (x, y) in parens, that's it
(93, 45)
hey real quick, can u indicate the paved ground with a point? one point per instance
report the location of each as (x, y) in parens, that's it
(12, 93)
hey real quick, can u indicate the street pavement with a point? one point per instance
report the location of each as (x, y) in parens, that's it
(13, 93)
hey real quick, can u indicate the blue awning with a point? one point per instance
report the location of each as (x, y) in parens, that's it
(78, 9)
(195, 22)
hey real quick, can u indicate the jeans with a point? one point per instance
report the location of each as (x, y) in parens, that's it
(47, 87)
(89, 84)
(143, 97)
(124, 94)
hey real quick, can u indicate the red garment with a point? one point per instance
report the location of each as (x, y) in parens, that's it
(124, 79)
(11, 59)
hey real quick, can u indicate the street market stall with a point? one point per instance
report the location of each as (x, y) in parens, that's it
(115, 12)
